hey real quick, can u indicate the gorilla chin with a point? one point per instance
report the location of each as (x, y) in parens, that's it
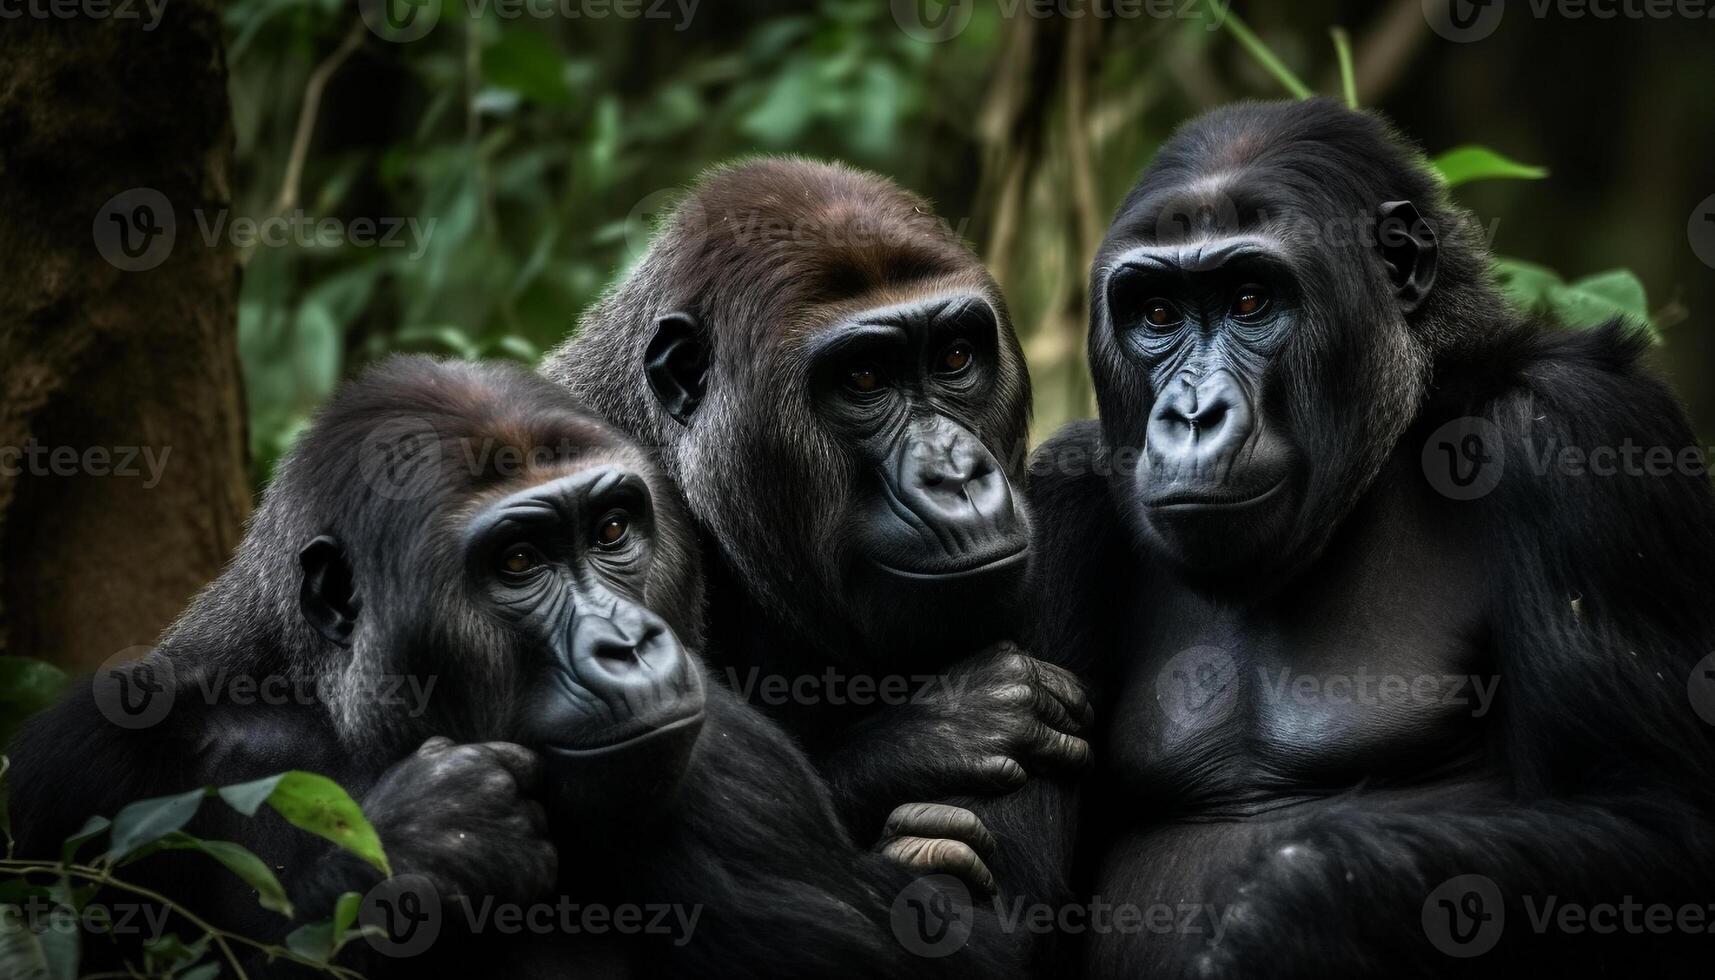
(923, 596)
(646, 715)
(1217, 529)
(662, 747)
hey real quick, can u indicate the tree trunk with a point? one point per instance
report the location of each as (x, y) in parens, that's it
(123, 485)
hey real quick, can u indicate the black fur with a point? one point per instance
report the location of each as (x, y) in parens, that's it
(1319, 831)
(773, 259)
(746, 838)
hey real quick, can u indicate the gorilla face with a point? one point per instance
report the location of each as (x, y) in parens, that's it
(552, 582)
(931, 506)
(565, 562)
(1251, 335)
(829, 376)
(1201, 320)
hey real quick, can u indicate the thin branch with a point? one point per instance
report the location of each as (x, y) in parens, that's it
(1264, 57)
(1387, 47)
(220, 936)
(1343, 52)
(313, 89)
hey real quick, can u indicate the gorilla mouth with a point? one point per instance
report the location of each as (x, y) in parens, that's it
(972, 568)
(635, 733)
(1204, 499)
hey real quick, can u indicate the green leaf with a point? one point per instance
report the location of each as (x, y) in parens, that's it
(1620, 288)
(1587, 302)
(27, 686)
(241, 862)
(319, 805)
(247, 798)
(313, 941)
(202, 971)
(1526, 283)
(91, 827)
(147, 821)
(28, 681)
(20, 950)
(322, 941)
(1463, 164)
(51, 954)
(171, 951)
(61, 944)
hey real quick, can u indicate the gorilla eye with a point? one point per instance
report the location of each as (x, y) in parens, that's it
(611, 530)
(520, 560)
(1250, 301)
(864, 379)
(955, 358)
(1160, 313)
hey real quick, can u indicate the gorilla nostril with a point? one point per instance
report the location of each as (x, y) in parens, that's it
(1208, 420)
(617, 651)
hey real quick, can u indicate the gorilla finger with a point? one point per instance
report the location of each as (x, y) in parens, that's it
(522, 763)
(536, 815)
(1059, 749)
(942, 856)
(1002, 772)
(434, 745)
(939, 820)
(1052, 712)
(1067, 689)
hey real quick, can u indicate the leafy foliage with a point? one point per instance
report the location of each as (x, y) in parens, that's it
(47, 944)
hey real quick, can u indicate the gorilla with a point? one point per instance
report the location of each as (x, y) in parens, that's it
(469, 527)
(829, 375)
(1386, 686)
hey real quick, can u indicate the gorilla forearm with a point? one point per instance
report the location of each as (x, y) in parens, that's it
(1298, 906)
(753, 840)
(992, 722)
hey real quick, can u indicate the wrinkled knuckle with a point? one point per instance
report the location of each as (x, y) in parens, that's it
(948, 853)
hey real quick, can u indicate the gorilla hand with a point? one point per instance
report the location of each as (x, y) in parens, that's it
(459, 816)
(991, 722)
(933, 838)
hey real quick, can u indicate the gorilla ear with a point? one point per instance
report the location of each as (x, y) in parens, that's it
(676, 362)
(328, 599)
(1408, 246)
